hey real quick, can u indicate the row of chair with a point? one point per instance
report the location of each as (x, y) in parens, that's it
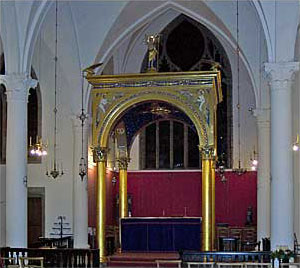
(166, 263)
(244, 237)
(22, 262)
(239, 265)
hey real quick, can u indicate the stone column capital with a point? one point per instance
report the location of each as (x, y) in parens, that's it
(17, 85)
(281, 74)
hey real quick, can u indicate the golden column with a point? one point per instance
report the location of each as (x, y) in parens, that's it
(100, 156)
(208, 196)
(213, 207)
(123, 203)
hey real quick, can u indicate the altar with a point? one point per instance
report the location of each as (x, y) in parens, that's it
(160, 234)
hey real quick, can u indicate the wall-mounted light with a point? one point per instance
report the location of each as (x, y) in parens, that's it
(296, 144)
(254, 161)
(221, 167)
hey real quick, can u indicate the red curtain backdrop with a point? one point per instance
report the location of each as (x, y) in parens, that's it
(157, 194)
(92, 180)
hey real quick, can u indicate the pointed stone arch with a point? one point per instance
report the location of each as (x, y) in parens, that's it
(208, 18)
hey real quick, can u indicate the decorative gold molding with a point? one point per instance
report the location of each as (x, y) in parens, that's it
(99, 154)
(195, 93)
(208, 152)
(123, 163)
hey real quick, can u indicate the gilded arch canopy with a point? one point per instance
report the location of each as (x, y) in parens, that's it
(195, 93)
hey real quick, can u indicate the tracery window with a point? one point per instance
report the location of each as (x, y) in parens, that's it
(169, 144)
(189, 46)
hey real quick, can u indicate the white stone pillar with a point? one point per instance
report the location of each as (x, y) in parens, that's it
(281, 75)
(80, 193)
(263, 174)
(17, 86)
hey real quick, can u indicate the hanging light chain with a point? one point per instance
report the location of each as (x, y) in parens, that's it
(55, 172)
(82, 117)
(239, 171)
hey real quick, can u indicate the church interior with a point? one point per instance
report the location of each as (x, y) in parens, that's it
(149, 133)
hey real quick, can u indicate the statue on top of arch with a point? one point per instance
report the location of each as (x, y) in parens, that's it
(152, 41)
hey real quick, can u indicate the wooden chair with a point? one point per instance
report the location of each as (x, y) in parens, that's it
(230, 265)
(237, 234)
(249, 239)
(222, 232)
(257, 265)
(112, 239)
(296, 245)
(168, 262)
(31, 262)
(290, 265)
(200, 264)
(7, 262)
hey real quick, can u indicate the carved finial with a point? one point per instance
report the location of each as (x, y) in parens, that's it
(90, 70)
(215, 66)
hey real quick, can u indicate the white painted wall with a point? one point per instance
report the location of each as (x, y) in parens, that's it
(1, 46)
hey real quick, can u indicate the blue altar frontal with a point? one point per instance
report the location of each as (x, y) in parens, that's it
(160, 234)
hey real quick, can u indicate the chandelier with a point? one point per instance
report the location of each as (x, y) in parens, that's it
(55, 171)
(156, 109)
(38, 148)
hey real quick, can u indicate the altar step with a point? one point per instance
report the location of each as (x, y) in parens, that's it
(141, 259)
